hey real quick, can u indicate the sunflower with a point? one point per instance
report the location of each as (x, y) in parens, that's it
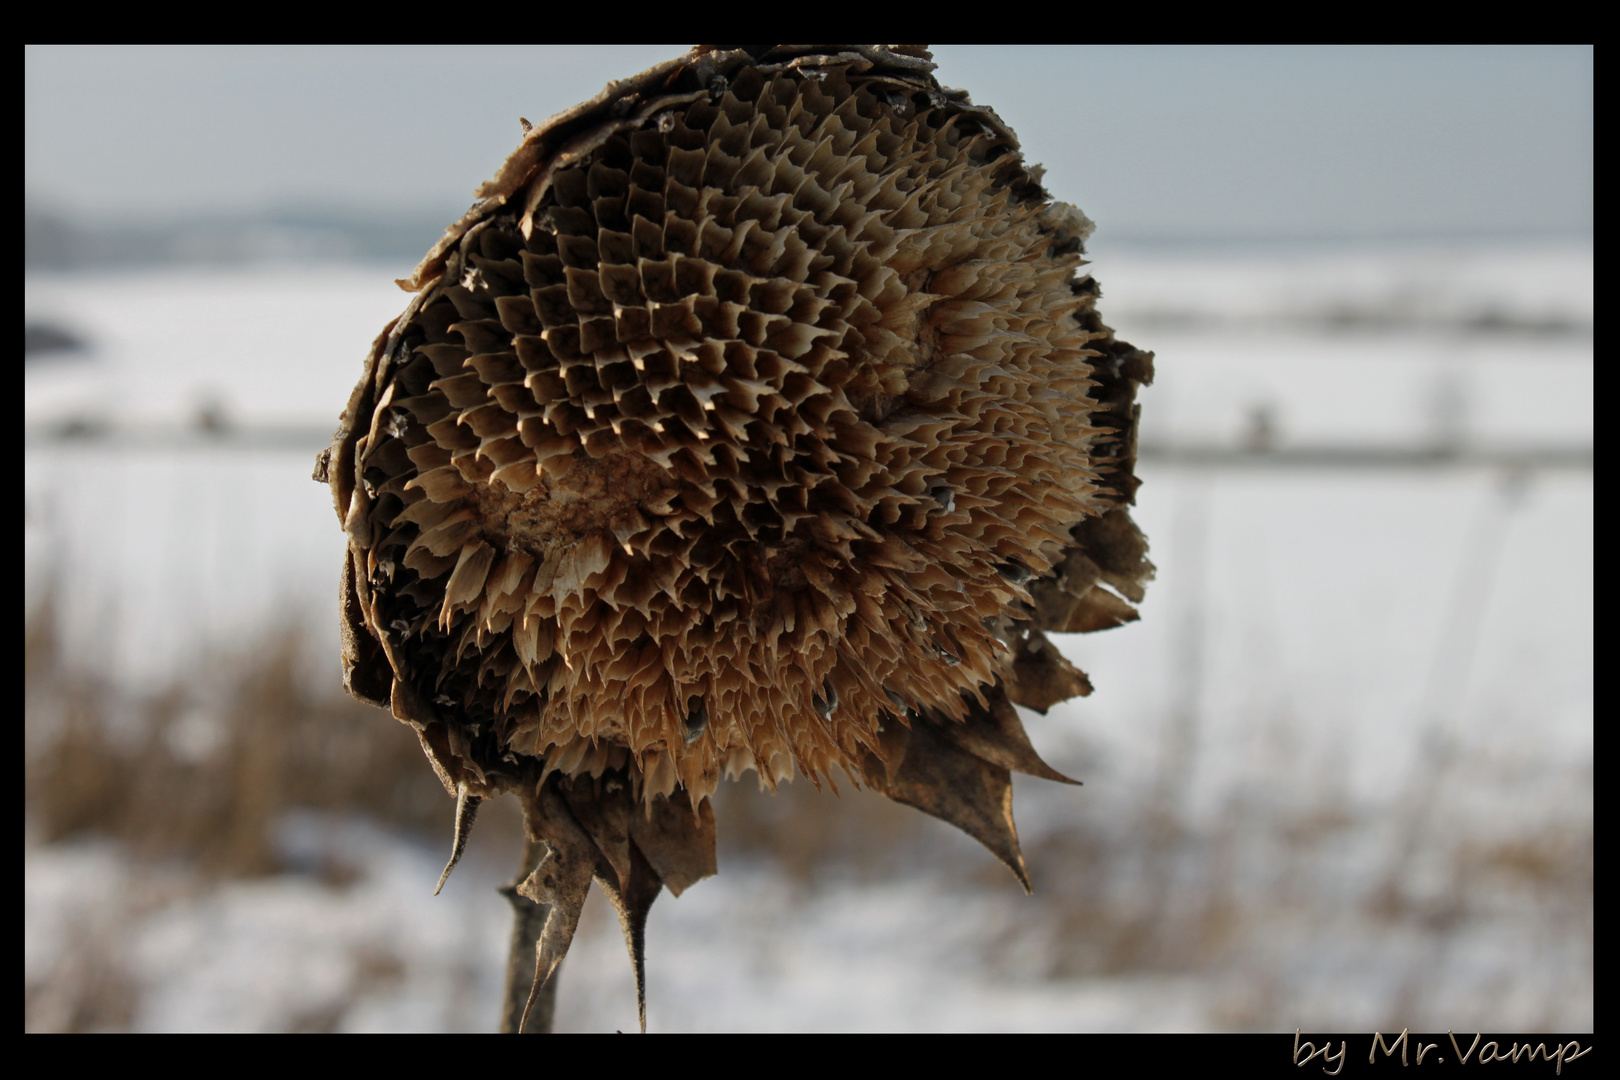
(756, 417)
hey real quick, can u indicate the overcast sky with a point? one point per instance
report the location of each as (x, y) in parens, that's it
(1152, 142)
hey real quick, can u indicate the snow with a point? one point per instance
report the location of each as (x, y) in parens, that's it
(1341, 642)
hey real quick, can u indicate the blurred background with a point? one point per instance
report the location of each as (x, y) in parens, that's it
(1339, 776)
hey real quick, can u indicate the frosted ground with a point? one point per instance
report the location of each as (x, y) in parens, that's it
(1340, 775)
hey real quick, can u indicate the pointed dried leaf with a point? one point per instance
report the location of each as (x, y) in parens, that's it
(1042, 677)
(466, 813)
(997, 735)
(562, 879)
(1118, 549)
(1099, 609)
(940, 778)
(632, 899)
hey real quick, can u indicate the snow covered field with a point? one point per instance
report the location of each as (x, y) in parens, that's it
(1339, 775)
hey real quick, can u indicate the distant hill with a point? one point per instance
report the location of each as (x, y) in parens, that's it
(55, 238)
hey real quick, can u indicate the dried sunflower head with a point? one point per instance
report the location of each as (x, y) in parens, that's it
(754, 418)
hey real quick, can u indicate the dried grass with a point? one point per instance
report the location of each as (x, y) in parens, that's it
(202, 769)
(1127, 882)
(195, 777)
(1275, 901)
(89, 991)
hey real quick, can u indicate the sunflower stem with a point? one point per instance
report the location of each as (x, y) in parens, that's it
(528, 919)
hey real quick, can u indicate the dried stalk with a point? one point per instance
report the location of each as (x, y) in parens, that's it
(528, 919)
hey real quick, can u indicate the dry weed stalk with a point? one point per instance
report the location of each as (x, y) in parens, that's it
(754, 418)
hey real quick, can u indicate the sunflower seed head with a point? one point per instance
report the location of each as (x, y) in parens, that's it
(749, 405)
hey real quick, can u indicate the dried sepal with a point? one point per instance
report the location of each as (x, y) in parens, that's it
(1042, 676)
(632, 897)
(996, 734)
(467, 805)
(562, 880)
(677, 840)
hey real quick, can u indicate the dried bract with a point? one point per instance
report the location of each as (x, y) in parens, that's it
(755, 418)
